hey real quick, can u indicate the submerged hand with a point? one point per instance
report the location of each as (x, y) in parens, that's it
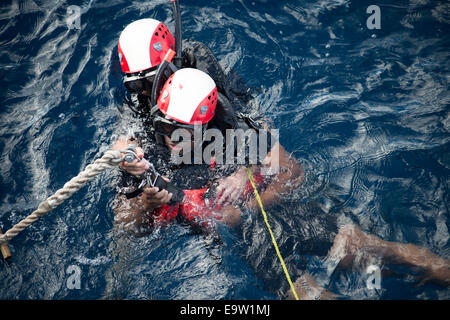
(230, 188)
(153, 198)
(230, 215)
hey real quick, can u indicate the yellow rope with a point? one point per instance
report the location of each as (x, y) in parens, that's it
(252, 181)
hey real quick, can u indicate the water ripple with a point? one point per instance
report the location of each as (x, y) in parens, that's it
(364, 111)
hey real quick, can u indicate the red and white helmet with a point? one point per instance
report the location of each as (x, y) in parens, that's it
(189, 96)
(143, 45)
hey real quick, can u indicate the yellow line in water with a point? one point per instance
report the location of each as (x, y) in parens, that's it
(252, 181)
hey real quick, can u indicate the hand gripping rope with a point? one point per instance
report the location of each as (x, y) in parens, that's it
(110, 159)
(266, 220)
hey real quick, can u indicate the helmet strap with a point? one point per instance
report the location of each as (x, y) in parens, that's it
(159, 139)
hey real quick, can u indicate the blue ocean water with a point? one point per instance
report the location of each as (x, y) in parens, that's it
(365, 111)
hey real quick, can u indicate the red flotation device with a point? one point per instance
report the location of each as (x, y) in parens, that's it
(196, 208)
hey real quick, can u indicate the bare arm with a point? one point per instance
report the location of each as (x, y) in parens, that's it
(129, 214)
(289, 177)
(135, 215)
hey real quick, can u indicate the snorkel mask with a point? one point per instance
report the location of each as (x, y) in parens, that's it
(140, 82)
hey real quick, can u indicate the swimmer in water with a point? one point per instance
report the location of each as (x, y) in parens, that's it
(223, 95)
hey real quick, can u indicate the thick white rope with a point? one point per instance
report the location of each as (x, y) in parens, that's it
(109, 160)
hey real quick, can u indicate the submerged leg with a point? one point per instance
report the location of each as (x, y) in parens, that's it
(350, 241)
(307, 289)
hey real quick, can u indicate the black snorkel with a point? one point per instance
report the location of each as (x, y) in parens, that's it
(176, 56)
(178, 59)
(158, 83)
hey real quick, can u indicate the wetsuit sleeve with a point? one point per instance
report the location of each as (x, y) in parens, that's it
(264, 140)
(198, 55)
(237, 87)
(225, 117)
